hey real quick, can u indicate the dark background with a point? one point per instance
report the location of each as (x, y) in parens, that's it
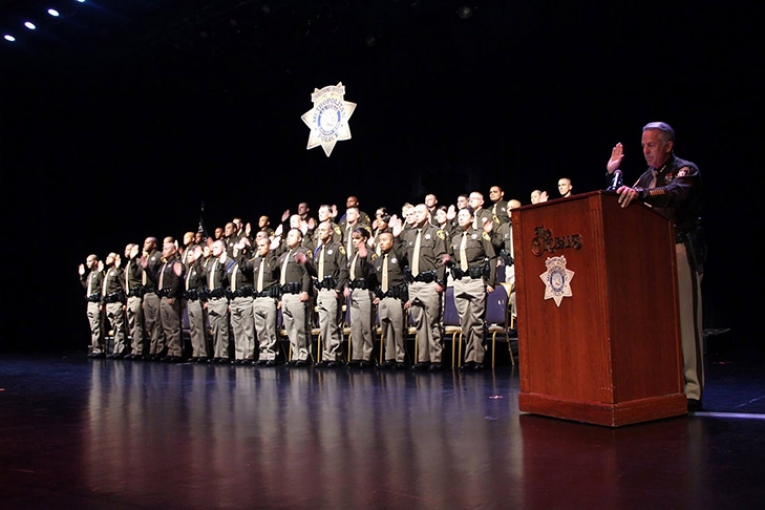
(120, 117)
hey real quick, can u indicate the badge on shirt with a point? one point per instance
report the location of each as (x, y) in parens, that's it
(393, 260)
(474, 237)
(427, 236)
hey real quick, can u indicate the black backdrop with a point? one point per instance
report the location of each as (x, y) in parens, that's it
(114, 130)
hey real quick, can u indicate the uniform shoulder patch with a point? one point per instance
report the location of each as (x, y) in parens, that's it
(341, 249)
(337, 230)
(309, 254)
(683, 171)
(441, 234)
(486, 236)
(374, 256)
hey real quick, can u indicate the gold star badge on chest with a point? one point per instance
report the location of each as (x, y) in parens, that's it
(328, 119)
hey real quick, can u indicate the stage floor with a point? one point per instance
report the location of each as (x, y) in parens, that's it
(77, 433)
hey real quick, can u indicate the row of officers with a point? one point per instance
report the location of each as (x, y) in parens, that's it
(242, 292)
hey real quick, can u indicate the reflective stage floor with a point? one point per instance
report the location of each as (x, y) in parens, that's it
(76, 433)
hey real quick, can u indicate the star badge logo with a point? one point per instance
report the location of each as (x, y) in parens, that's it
(328, 119)
(557, 279)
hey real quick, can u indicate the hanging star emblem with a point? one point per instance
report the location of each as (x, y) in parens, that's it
(557, 279)
(328, 119)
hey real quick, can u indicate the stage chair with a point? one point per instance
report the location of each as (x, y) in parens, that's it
(497, 320)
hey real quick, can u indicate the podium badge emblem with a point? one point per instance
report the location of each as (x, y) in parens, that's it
(557, 279)
(328, 119)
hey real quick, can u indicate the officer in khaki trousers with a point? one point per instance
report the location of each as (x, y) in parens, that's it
(360, 291)
(425, 247)
(266, 276)
(217, 300)
(113, 297)
(295, 282)
(331, 274)
(474, 269)
(196, 296)
(92, 281)
(390, 297)
(134, 290)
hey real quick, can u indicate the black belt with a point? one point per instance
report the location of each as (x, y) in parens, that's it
(165, 292)
(149, 290)
(217, 293)
(193, 295)
(328, 282)
(114, 297)
(427, 277)
(291, 288)
(474, 272)
(136, 291)
(93, 298)
(243, 292)
(359, 283)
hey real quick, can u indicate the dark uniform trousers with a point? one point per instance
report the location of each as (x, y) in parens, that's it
(171, 325)
(392, 325)
(265, 317)
(426, 308)
(243, 324)
(217, 309)
(470, 300)
(198, 328)
(362, 324)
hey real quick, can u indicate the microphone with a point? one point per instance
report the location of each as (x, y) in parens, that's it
(616, 183)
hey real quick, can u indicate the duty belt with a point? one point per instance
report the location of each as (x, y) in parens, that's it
(217, 293)
(149, 290)
(395, 292)
(136, 291)
(114, 297)
(93, 298)
(165, 292)
(426, 276)
(474, 272)
(271, 292)
(328, 282)
(192, 295)
(243, 292)
(291, 288)
(359, 283)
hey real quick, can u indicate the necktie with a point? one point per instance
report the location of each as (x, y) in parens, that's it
(416, 253)
(349, 235)
(283, 278)
(463, 252)
(103, 290)
(233, 277)
(655, 173)
(261, 270)
(353, 266)
(90, 283)
(188, 279)
(162, 276)
(385, 273)
(127, 278)
(321, 264)
(143, 277)
(212, 275)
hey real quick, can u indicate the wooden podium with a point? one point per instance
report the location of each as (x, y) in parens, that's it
(609, 351)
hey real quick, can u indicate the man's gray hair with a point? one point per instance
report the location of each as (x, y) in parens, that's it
(667, 133)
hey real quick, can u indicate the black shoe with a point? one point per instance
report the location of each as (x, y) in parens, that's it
(422, 366)
(435, 367)
(96, 355)
(400, 366)
(322, 364)
(478, 367)
(468, 367)
(694, 405)
(354, 363)
(388, 363)
(334, 364)
(365, 364)
(270, 363)
(302, 363)
(110, 356)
